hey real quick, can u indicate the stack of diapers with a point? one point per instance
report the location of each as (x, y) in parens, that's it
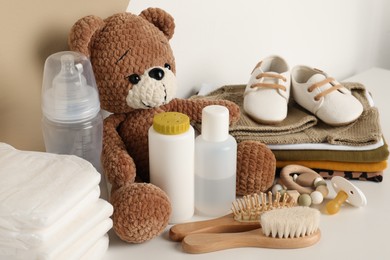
(50, 207)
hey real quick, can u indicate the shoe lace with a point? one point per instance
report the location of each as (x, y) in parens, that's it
(321, 83)
(269, 85)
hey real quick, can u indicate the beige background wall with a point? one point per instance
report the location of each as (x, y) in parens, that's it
(30, 32)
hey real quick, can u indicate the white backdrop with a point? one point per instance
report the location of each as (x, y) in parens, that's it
(219, 41)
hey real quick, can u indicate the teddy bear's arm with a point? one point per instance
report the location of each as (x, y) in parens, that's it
(193, 108)
(118, 166)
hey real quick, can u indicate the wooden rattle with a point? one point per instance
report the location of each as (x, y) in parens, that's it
(308, 183)
(346, 191)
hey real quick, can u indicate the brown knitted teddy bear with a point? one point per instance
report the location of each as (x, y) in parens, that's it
(135, 73)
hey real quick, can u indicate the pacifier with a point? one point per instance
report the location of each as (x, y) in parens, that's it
(346, 192)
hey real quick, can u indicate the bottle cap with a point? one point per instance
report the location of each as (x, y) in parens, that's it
(215, 123)
(171, 123)
(69, 92)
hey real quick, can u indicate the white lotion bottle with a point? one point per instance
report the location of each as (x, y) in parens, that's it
(215, 163)
(171, 162)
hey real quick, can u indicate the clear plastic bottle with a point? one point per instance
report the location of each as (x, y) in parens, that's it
(215, 163)
(171, 158)
(72, 122)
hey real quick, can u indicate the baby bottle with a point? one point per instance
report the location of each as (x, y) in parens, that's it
(215, 163)
(171, 159)
(72, 122)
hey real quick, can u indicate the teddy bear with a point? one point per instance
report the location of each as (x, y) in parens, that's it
(135, 70)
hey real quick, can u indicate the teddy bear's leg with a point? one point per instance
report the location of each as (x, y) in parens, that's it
(256, 166)
(141, 212)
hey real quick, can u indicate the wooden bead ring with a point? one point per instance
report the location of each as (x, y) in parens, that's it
(307, 174)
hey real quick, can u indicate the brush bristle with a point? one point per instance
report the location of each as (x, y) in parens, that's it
(290, 222)
(249, 208)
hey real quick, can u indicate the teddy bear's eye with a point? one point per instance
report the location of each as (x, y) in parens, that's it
(166, 65)
(134, 78)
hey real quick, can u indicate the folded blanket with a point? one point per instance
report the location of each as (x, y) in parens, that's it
(358, 176)
(375, 155)
(325, 146)
(338, 166)
(301, 126)
(37, 189)
(350, 175)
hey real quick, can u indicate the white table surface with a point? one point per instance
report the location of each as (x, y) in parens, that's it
(353, 233)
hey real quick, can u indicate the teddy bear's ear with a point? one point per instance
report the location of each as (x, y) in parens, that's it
(82, 32)
(161, 19)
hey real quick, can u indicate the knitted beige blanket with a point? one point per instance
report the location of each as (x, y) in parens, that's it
(301, 126)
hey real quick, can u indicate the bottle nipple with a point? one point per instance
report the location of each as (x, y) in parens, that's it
(67, 64)
(70, 84)
(69, 88)
(70, 74)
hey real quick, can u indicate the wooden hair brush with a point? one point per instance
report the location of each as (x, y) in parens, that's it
(245, 216)
(281, 228)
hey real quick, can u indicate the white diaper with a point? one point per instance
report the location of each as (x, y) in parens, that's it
(37, 189)
(50, 207)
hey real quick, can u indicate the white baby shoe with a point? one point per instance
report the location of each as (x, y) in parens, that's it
(323, 96)
(268, 90)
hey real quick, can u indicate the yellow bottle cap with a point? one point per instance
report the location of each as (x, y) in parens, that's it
(171, 123)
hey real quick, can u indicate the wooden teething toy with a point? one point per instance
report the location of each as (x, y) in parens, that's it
(346, 191)
(287, 179)
(307, 182)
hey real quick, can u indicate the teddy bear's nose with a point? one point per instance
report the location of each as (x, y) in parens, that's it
(156, 73)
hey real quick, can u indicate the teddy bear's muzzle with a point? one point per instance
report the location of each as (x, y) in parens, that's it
(156, 87)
